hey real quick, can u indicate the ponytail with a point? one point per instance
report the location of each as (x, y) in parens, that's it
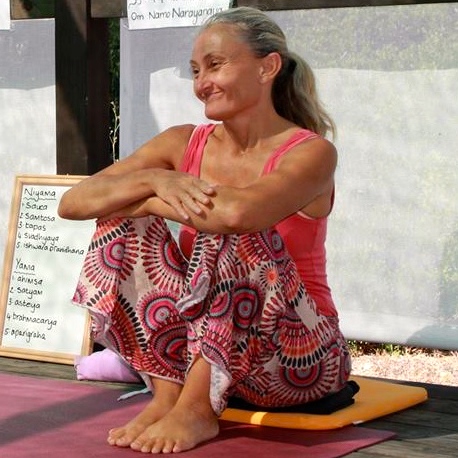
(295, 97)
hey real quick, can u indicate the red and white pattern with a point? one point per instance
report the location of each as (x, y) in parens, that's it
(239, 302)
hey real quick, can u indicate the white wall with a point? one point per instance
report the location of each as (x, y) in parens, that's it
(27, 107)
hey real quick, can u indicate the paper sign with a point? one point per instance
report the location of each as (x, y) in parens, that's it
(153, 14)
(5, 21)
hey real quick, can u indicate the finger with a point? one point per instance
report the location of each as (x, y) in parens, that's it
(193, 205)
(178, 206)
(204, 186)
(182, 211)
(202, 193)
(198, 197)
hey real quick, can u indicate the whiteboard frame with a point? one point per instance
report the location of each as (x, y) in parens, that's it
(20, 353)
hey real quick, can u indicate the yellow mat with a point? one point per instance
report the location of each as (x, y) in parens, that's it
(374, 399)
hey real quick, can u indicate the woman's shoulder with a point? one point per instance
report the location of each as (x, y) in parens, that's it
(184, 132)
(164, 149)
(305, 140)
(181, 131)
(174, 140)
(301, 145)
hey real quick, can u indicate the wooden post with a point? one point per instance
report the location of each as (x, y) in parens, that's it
(82, 89)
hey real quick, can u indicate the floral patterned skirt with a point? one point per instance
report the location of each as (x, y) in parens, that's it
(238, 302)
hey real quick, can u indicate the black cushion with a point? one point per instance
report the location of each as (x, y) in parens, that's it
(325, 406)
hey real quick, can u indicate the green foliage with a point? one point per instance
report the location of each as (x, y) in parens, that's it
(358, 348)
(114, 47)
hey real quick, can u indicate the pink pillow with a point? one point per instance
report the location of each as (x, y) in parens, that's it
(105, 365)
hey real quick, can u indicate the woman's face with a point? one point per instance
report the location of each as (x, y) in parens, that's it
(225, 72)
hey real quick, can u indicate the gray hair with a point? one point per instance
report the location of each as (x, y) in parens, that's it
(294, 92)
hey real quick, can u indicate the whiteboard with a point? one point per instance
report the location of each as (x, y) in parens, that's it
(43, 259)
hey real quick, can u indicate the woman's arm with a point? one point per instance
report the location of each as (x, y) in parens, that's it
(150, 171)
(303, 178)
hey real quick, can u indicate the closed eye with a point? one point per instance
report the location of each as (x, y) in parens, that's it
(194, 72)
(214, 64)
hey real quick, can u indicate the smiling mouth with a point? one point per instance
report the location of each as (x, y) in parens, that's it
(209, 96)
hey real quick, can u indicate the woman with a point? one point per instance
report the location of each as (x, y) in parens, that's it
(241, 307)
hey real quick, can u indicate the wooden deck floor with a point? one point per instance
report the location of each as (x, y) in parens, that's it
(429, 430)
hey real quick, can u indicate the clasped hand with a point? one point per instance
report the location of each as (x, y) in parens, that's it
(183, 192)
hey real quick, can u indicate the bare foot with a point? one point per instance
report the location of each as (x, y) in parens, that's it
(181, 429)
(157, 408)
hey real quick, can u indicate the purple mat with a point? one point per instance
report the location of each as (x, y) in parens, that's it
(50, 418)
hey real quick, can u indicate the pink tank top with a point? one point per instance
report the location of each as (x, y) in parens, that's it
(304, 237)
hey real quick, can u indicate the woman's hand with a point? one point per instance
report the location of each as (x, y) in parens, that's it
(183, 192)
(176, 196)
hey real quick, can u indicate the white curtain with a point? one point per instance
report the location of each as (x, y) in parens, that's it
(389, 78)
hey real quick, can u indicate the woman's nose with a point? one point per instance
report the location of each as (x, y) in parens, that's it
(201, 83)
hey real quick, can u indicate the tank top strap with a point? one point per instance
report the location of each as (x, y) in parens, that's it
(298, 137)
(192, 157)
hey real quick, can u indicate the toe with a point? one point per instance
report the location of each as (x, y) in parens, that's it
(158, 445)
(168, 447)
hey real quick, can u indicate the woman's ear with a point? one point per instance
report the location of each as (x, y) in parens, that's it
(270, 66)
